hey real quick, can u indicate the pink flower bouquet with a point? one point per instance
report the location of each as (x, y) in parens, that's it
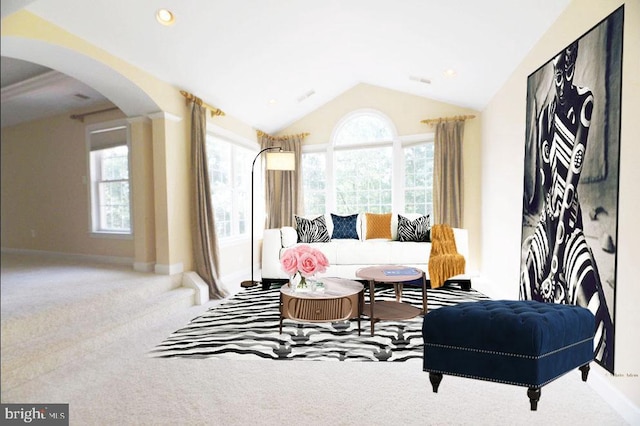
(304, 260)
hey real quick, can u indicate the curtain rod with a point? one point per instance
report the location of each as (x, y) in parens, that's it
(279, 138)
(190, 97)
(83, 115)
(443, 119)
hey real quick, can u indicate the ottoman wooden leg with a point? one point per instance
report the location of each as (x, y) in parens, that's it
(585, 372)
(435, 379)
(534, 397)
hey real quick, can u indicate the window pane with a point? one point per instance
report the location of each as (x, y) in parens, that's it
(114, 206)
(242, 188)
(363, 128)
(230, 177)
(363, 180)
(314, 182)
(219, 164)
(110, 201)
(418, 183)
(115, 163)
(363, 176)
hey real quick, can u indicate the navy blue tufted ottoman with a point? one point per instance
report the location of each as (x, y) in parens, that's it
(523, 343)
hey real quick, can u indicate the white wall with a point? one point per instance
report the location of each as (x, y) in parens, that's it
(503, 133)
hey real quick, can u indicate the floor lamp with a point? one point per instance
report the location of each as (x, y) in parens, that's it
(280, 160)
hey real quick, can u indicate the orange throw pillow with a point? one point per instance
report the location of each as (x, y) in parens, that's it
(378, 225)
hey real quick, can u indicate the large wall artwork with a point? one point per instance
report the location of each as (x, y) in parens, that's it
(570, 206)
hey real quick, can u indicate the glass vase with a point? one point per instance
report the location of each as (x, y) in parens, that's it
(299, 284)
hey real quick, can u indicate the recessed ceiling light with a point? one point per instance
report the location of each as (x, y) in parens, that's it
(165, 17)
(450, 72)
(272, 101)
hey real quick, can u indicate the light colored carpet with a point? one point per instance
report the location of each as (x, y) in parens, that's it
(120, 384)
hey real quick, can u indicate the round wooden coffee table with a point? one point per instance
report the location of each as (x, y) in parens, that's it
(389, 309)
(341, 300)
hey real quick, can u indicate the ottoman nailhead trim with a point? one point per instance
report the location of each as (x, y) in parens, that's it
(507, 382)
(437, 345)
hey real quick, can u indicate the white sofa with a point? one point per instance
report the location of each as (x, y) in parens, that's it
(346, 256)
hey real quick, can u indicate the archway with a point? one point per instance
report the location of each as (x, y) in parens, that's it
(121, 91)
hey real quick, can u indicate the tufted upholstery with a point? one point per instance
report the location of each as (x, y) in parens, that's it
(525, 343)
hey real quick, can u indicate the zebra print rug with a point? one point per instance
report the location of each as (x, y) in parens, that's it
(247, 327)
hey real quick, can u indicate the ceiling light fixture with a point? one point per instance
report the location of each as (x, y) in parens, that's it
(450, 72)
(272, 101)
(165, 17)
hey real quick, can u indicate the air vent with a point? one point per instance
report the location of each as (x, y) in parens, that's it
(81, 96)
(306, 95)
(420, 79)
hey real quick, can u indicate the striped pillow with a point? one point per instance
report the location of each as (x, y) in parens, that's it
(414, 230)
(312, 230)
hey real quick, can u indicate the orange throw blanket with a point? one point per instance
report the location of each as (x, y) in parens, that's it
(444, 260)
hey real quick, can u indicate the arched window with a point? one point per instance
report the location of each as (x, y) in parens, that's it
(363, 127)
(363, 163)
(367, 167)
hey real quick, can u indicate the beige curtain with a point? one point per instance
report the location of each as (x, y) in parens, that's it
(203, 229)
(283, 189)
(447, 173)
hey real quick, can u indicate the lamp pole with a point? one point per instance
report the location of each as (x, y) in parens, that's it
(253, 165)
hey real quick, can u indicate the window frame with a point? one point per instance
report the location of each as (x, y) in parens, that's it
(397, 144)
(240, 142)
(94, 210)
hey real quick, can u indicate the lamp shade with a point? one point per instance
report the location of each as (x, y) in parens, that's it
(281, 160)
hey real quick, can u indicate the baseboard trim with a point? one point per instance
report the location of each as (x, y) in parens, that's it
(118, 260)
(613, 396)
(144, 266)
(174, 268)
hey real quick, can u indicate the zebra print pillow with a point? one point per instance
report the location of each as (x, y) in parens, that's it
(414, 230)
(312, 230)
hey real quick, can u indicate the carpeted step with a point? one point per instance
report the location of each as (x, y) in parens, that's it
(108, 297)
(84, 332)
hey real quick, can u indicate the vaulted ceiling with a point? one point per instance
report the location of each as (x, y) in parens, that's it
(270, 62)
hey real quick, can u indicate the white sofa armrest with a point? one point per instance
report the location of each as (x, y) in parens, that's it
(462, 241)
(288, 236)
(271, 247)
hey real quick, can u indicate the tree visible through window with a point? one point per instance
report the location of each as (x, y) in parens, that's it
(314, 182)
(418, 178)
(110, 192)
(363, 180)
(365, 162)
(229, 174)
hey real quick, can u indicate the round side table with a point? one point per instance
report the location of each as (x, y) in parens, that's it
(389, 309)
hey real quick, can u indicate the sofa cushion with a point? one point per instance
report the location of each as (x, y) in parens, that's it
(345, 227)
(312, 230)
(378, 226)
(288, 236)
(381, 252)
(330, 250)
(413, 230)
